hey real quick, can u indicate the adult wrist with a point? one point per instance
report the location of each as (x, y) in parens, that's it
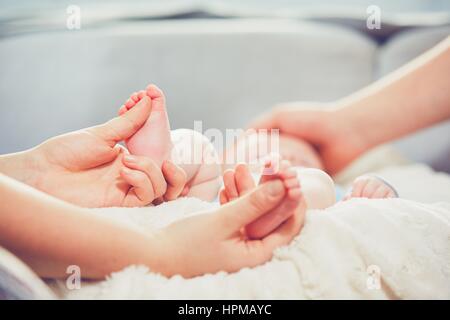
(25, 166)
(159, 257)
(355, 124)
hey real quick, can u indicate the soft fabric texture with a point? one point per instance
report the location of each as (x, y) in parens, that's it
(406, 242)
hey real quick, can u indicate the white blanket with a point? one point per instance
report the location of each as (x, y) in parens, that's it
(361, 249)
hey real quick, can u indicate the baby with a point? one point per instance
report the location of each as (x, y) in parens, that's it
(197, 157)
(301, 170)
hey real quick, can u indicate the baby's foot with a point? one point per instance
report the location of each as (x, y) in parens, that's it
(153, 139)
(239, 181)
(371, 187)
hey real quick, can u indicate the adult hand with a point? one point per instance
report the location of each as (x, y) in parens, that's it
(204, 243)
(88, 168)
(217, 238)
(409, 99)
(329, 130)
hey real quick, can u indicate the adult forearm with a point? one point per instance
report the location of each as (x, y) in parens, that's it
(23, 166)
(413, 97)
(50, 235)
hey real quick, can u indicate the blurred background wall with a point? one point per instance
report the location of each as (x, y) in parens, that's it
(220, 62)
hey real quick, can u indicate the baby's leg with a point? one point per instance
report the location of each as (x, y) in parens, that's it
(372, 187)
(196, 155)
(318, 188)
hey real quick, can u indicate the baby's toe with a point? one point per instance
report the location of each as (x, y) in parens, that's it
(295, 194)
(130, 103)
(244, 179)
(292, 183)
(285, 165)
(154, 92)
(271, 166)
(122, 110)
(223, 199)
(289, 173)
(230, 185)
(141, 94)
(135, 97)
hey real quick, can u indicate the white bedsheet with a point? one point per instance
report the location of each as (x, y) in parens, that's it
(339, 253)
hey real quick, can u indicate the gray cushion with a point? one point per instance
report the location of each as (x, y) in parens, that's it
(223, 72)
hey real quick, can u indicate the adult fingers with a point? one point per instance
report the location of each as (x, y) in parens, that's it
(259, 251)
(287, 231)
(262, 226)
(141, 192)
(242, 211)
(149, 167)
(175, 178)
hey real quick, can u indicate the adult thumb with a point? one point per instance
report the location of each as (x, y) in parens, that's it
(256, 203)
(124, 126)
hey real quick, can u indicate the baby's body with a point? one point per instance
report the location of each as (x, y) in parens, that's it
(305, 185)
(317, 187)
